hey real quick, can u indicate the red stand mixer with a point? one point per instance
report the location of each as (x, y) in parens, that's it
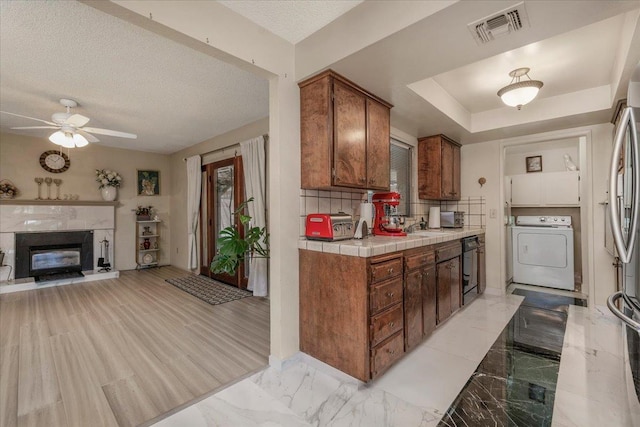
(387, 222)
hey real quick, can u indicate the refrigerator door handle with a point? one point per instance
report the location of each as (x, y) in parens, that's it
(611, 303)
(624, 251)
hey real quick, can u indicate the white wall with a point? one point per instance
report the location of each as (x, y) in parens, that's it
(20, 163)
(483, 160)
(552, 153)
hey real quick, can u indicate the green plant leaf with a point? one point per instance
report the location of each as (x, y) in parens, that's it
(232, 248)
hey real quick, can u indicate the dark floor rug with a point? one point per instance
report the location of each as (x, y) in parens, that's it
(209, 290)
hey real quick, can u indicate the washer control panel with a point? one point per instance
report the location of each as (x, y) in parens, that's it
(544, 221)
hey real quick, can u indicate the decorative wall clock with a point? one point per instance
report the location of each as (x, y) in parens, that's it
(54, 161)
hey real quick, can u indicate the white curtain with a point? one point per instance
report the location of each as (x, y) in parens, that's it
(253, 159)
(194, 183)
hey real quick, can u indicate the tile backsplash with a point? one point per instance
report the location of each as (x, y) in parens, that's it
(314, 201)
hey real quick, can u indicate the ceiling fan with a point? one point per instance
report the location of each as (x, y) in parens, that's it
(71, 130)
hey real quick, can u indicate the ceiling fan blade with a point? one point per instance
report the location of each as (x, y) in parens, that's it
(37, 127)
(77, 120)
(27, 117)
(110, 132)
(87, 135)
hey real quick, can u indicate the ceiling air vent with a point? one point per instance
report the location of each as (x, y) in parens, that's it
(501, 24)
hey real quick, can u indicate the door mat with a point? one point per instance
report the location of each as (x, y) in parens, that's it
(209, 290)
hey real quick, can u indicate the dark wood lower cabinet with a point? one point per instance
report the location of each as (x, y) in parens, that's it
(413, 308)
(443, 291)
(360, 315)
(448, 279)
(429, 311)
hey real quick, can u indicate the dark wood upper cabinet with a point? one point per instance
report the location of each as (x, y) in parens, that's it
(344, 134)
(378, 145)
(349, 146)
(438, 168)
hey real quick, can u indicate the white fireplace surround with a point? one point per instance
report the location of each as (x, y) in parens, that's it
(20, 216)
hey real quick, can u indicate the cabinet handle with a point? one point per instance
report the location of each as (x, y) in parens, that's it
(391, 351)
(391, 324)
(390, 294)
(362, 180)
(390, 270)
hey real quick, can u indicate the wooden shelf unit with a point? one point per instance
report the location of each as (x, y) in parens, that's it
(154, 240)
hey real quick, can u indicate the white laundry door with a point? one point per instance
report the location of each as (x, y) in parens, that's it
(544, 250)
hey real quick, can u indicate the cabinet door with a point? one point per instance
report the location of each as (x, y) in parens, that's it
(429, 314)
(316, 134)
(429, 168)
(455, 281)
(443, 292)
(349, 147)
(447, 170)
(455, 170)
(526, 190)
(378, 145)
(561, 188)
(482, 270)
(413, 309)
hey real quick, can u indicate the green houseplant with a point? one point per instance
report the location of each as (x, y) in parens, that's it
(232, 248)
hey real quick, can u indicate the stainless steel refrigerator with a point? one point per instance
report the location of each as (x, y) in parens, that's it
(624, 206)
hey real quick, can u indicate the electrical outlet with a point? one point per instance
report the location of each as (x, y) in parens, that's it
(493, 213)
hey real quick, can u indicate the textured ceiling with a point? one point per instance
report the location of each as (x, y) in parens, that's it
(291, 20)
(124, 78)
(566, 63)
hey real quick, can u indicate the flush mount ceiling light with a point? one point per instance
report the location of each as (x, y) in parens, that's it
(519, 93)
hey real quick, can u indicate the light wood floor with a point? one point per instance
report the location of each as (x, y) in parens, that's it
(121, 351)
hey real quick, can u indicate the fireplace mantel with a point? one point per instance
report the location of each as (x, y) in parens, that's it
(57, 202)
(29, 216)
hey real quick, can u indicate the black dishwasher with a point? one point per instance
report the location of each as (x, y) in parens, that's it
(469, 269)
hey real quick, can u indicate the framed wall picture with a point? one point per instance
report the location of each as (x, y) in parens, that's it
(148, 183)
(534, 164)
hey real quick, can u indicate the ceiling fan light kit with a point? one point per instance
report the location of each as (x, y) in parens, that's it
(70, 131)
(520, 92)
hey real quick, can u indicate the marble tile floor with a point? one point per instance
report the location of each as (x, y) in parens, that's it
(591, 385)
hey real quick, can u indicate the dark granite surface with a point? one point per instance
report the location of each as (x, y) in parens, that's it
(633, 346)
(515, 383)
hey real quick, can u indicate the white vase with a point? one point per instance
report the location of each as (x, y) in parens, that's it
(109, 194)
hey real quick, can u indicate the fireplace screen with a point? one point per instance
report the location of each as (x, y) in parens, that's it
(57, 259)
(51, 261)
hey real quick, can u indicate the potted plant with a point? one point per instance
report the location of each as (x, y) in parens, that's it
(232, 248)
(109, 182)
(143, 213)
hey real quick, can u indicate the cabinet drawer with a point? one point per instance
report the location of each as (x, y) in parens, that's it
(412, 262)
(448, 251)
(386, 270)
(383, 356)
(385, 294)
(386, 324)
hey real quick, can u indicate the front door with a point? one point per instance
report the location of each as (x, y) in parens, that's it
(222, 193)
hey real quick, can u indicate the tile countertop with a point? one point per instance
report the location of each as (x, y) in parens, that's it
(379, 245)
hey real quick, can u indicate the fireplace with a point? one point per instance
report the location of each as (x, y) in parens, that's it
(53, 255)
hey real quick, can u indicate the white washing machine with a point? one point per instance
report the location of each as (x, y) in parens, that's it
(543, 251)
